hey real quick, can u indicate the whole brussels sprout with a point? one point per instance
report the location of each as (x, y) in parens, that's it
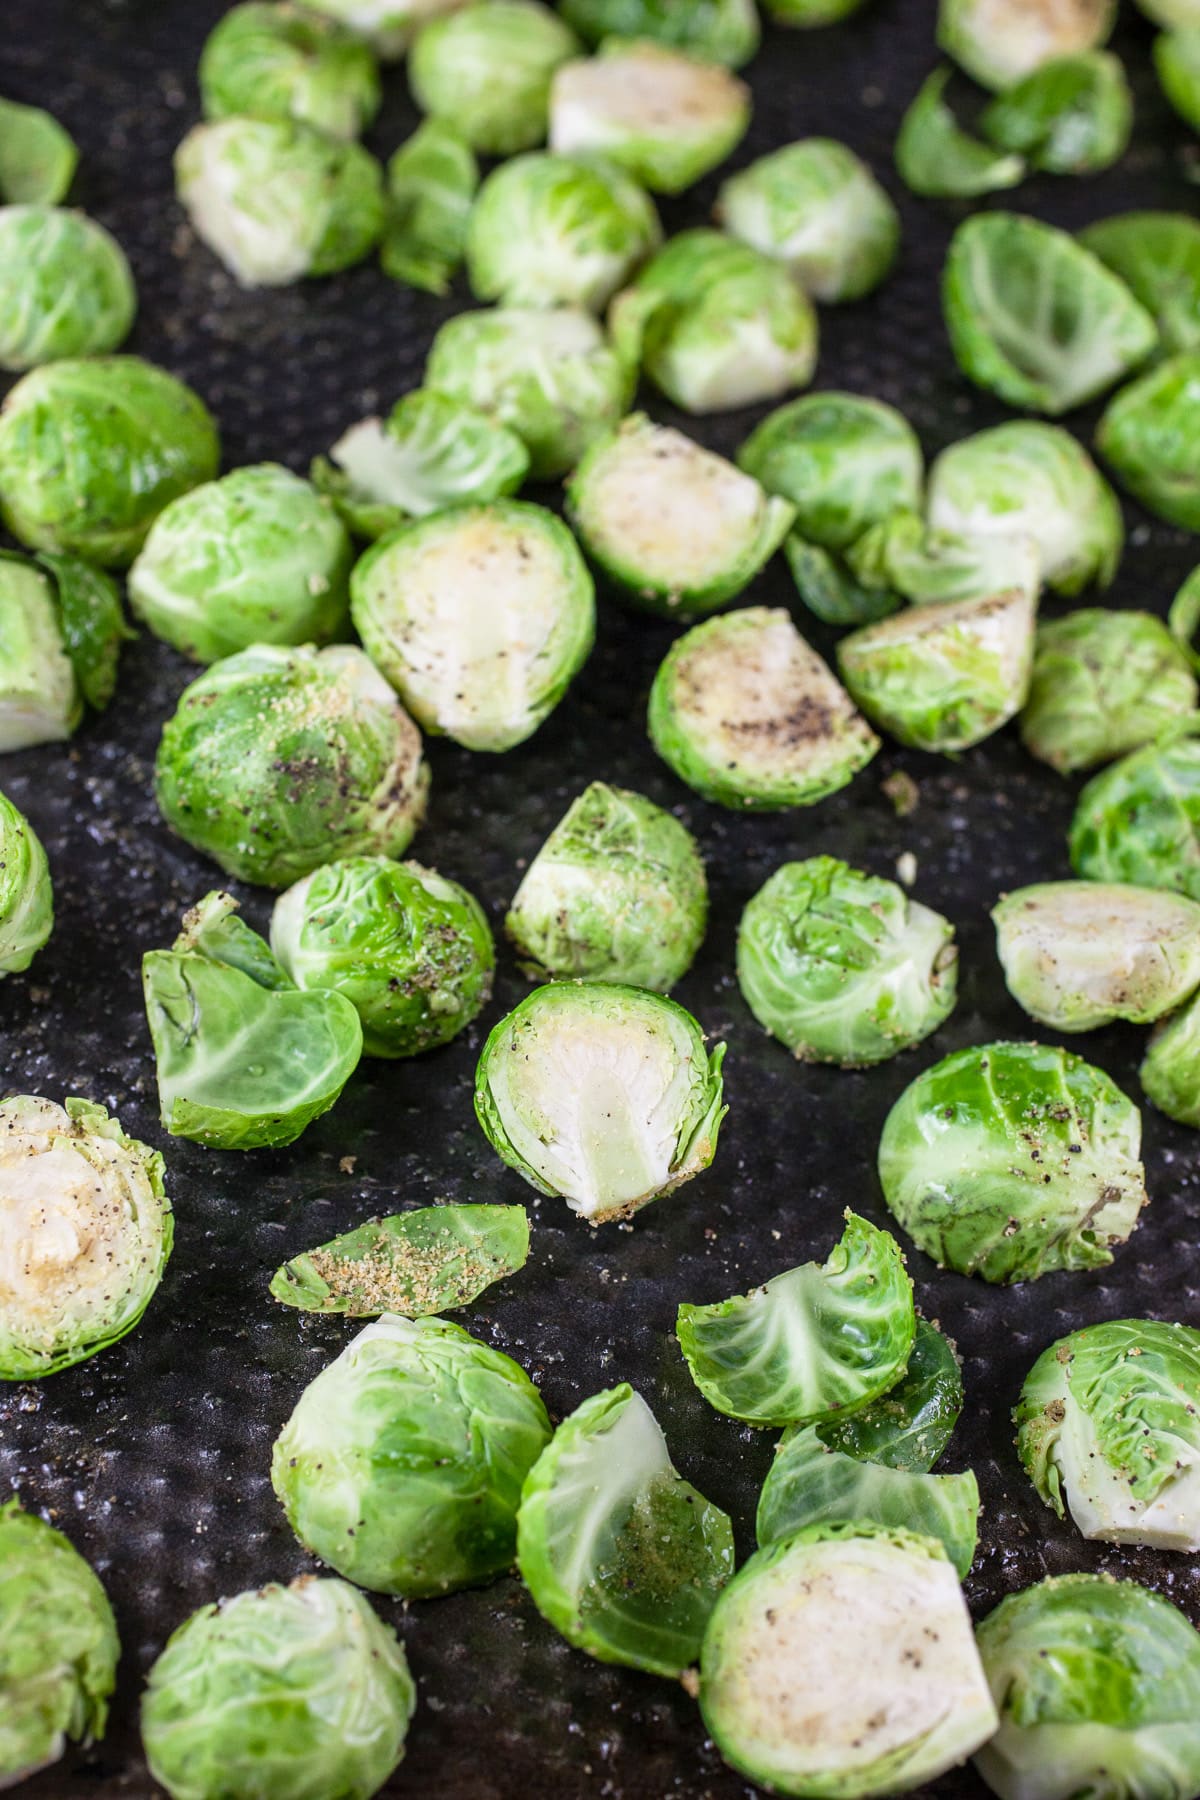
(910, 1425)
(402, 1463)
(937, 158)
(723, 31)
(1157, 256)
(61, 641)
(1177, 64)
(1011, 1161)
(999, 42)
(1170, 1071)
(389, 26)
(488, 68)
(88, 1230)
(845, 463)
(816, 208)
(65, 287)
(279, 760)
(26, 896)
(1070, 116)
(432, 180)
(37, 157)
(92, 449)
(430, 1260)
(58, 1646)
(1103, 683)
(279, 61)
(808, 14)
(411, 951)
(301, 1692)
(276, 200)
(1139, 820)
(1149, 433)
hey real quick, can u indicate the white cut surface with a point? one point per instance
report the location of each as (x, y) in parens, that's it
(597, 1479)
(39, 699)
(248, 215)
(1101, 1503)
(646, 91)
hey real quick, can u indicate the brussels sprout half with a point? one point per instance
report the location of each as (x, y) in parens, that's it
(1170, 1071)
(815, 207)
(280, 61)
(432, 180)
(431, 1260)
(488, 67)
(1103, 683)
(1157, 256)
(40, 698)
(1072, 115)
(65, 287)
(723, 31)
(1177, 63)
(26, 896)
(1149, 433)
(1139, 820)
(37, 157)
(910, 1425)
(935, 157)
(389, 26)
(999, 42)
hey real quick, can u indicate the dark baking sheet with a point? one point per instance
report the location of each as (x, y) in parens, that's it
(154, 1456)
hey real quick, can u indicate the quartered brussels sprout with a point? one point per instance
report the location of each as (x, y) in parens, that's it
(1097, 1683)
(258, 557)
(910, 1425)
(815, 207)
(616, 893)
(432, 180)
(1108, 1424)
(843, 967)
(715, 324)
(1139, 820)
(62, 636)
(402, 1463)
(1177, 63)
(723, 31)
(602, 1094)
(92, 449)
(487, 68)
(431, 1260)
(1148, 435)
(845, 462)
(410, 950)
(747, 714)
(37, 157)
(278, 760)
(276, 200)
(1170, 1071)
(808, 14)
(280, 61)
(1011, 1161)
(1070, 116)
(937, 158)
(558, 231)
(480, 617)
(65, 287)
(1157, 256)
(841, 1661)
(999, 42)
(620, 1554)
(88, 1231)
(1103, 683)
(301, 1692)
(26, 896)
(58, 1645)
(903, 558)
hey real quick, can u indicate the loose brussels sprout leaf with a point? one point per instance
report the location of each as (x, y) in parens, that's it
(620, 1554)
(1157, 256)
(1103, 683)
(389, 26)
(297, 1691)
(1079, 954)
(88, 1231)
(1071, 116)
(1177, 62)
(402, 1463)
(841, 1661)
(552, 378)
(1097, 1683)
(92, 623)
(815, 207)
(37, 158)
(411, 951)
(26, 896)
(1013, 1160)
(1139, 821)
(1170, 1071)
(276, 200)
(749, 716)
(281, 62)
(432, 1260)
(92, 449)
(808, 14)
(937, 158)
(843, 967)
(715, 325)
(616, 893)
(828, 589)
(480, 617)
(910, 1425)
(431, 184)
(1035, 318)
(999, 42)
(65, 287)
(40, 700)
(1148, 434)
(821, 1340)
(905, 557)
(58, 1664)
(661, 114)
(488, 68)
(278, 760)
(1108, 1422)
(722, 31)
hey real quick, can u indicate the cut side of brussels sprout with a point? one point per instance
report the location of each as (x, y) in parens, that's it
(999, 42)
(620, 1554)
(26, 896)
(37, 157)
(40, 701)
(280, 61)
(65, 287)
(1177, 63)
(1170, 1071)
(488, 67)
(1139, 821)
(431, 185)
(935, 157)
(722, 31)
(910, 1425)
(1157, 256)
(433, 1260)
(1071, 116)
(1148, 435)
(1103, 683)
(815, 207)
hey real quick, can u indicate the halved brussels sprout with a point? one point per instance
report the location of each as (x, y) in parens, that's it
(1109, 1423)
(1001, 41)
(602, 1094)
(843, 967)
(402, 1463)
(723, 31)
(747, 713)
(1072, 115)
(1157, 256)
(58, 1664)
(1148, 434)
(904, 558)
(1103, 683)
(1177, 63)
(432, 180)
(388, 25)
(620, 1554)
(279, 760)
(62, 635)
(65, 287)
(815, 207)
(88, 1230)
(1139, 821)
(280, 61)
(297, 1691)
(841, 1662)
(411, 951)
(808, 14)
(480, 617)
(276, 200)
(910, 1425)
(616, 893)
(1011, 1161)
(26, 896)
(37, 157)
(937, 158)
(1170, 1071)
(487, 68)
(92, 449)
(431, 1260)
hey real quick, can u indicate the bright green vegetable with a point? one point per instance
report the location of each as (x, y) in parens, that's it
(903, 558)
(279, 61)
(488, 67)
(389, 26)
(1072, 115)
(844, 462)
(1148, 433)
(815, 207)
(432, 180)
(1103, 683)
(63, 629)
(26, 896)
(808, 14)
(1139, 820)
(432, 1260)
(937, 158)
(910, 1425)
(37, 157)
(828, 589)
(1157, 256)
(65, 287)
(723, 31)
(1172, 14)
(999, 42)
(1170, 1071)
(1177, 63)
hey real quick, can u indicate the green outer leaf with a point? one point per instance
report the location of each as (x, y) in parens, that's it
(432, 180)
(1139, 820)
(93, 623)
(1072, 115)
(489, 69)
(829, 590)
(1177, 62)
(1105, 683)
(910, 1425)
(281, 61)
(1157, 256)
(66, 288)
(40, 700)
(936, 158)
(433, 1260)
(1147, 433)
(724, 31)
(26, 896)
(37, 157)
(1170, 1071)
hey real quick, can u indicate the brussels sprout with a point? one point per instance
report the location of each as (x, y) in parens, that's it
(902, 556)
(63, 627)
(92, 449)
(715, 325)
(88, 1231)
(815, 207)
(276, 200)
(937, 158)
(37, 157)
(26, 896)
(1139, 821)
(620, 1554)
(1177, 64)
(279, 760)
(301, 1692)
(1035, 318)
(1170, 1071)
(1172, 14)
(58, 1646)
(1157, 256)
(1148, 434)
(1070, 116)
(601, 1094)
(723, 31)
(1107, 1421)
(410, 950)
(1183, 620)
(841, 1661)
(749, 716)
(557, 231)
(1098, 1687)
(389, 26)
(65, 287)
(1103, 683)
(415, 1263)
(431, 184)
(1013, 1160)
(616, 893)
(402, 1463)
(488, 70)
(279, 61)
(999, 42)
(810, 13)
(552, 378)
(258, 557)
(910, 1425)
(843, 967)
